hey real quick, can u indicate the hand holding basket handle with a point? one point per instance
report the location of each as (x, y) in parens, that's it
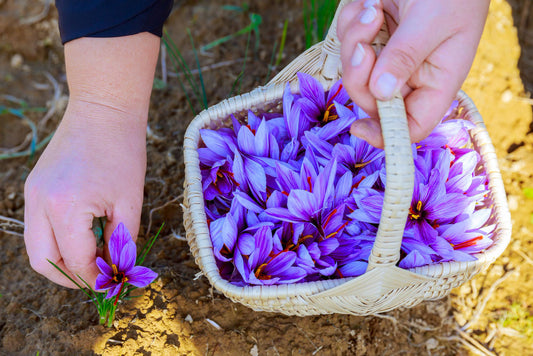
(427, 58)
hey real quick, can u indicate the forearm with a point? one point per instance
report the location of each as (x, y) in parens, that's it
(113, 74)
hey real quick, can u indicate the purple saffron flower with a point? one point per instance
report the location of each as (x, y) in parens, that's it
(258, 265)
(432, 206)
(316, 106)
(122, 270)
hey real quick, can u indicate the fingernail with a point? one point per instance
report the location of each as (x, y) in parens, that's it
(386, 85)
(370, 3)
(368, 15)
(358, 55)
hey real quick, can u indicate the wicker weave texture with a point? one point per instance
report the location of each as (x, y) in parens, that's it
(384, 286)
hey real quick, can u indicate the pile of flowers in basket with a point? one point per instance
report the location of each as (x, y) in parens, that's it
(293, 197)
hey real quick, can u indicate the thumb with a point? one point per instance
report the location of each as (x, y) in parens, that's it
(411, 43)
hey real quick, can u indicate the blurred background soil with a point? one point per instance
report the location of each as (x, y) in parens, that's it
(180, 314)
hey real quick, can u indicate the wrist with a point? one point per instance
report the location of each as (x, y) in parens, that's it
(105, 113)
(112, 74)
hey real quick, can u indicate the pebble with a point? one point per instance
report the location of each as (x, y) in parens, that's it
(507, 96)
(188, 318)
(254, 351)
(432, 344)
(16, 61)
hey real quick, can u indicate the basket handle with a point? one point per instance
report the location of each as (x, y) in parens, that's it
(398, 154)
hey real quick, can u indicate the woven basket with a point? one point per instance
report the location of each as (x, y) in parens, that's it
(384, 286)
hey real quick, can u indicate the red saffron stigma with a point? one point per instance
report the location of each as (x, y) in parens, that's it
(334, 211)
(356, 185)
(467, 243)
(119, 292)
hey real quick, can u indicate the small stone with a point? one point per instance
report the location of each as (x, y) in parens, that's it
(507, 96)
(460, 318)
(498, 270)
(16, 61)
(171, 160)
(188, 318)
(432, 344)
(11, 196)
(254, 351)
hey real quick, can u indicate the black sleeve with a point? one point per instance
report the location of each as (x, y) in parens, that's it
(111, 18)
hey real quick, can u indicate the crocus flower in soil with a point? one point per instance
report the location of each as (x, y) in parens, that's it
(122, 270)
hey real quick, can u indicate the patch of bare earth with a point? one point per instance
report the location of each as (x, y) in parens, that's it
(180, 313)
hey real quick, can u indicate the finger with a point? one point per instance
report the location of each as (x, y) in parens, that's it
(353, 13)
(76, 241)
(41, 246)
(407, 49)
(360, 26)
(127, 212)
(442, 75)
(368, 129)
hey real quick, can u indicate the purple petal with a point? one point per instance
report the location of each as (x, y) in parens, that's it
(113, 291)
(119, 238)
(255, 175)
(140, 276)
(246, 140)
(302, 204)
(321, 146)
(104, 267)
(291, 275)
(128, 255)
(353, 269)
(327, 246)
(311, 89)
(246, 244)
(242, 266)
(253, 120)
(246, 201)
(229, 232)
(280, 263)
(262, 140)
(415, 259)
(215, 142)
(284, 214)
(338, 93)
(103, 282)
(263, 247)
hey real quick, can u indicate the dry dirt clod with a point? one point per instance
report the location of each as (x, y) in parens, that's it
(16, 61)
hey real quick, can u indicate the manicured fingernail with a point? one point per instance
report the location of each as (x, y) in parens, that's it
(368, 15)
(358, 55)
(370, 3)
(386, 85)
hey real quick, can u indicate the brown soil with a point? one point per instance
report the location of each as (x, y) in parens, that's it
(171, 316)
